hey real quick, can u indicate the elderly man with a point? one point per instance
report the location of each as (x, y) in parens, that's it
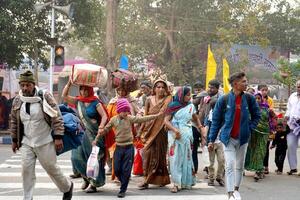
(292, 115)
(32, 120)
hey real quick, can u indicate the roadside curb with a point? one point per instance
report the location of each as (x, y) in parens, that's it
(5, 139)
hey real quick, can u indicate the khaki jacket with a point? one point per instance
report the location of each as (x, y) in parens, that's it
(17, 128)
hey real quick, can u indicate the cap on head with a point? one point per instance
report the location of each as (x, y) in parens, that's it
(27, 77)
(123, 105)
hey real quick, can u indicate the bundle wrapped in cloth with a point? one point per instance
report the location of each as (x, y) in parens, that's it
(125, 79)
(89, 75)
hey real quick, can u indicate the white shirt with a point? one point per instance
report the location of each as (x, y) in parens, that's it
(37, 132)
(293, 107)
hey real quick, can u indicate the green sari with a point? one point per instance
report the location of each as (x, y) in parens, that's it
(81, 155)
(258, 141)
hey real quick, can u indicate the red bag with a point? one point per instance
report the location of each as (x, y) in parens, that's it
(124, 78)
(138, 163)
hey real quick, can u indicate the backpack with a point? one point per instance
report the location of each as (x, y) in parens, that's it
(124, 78)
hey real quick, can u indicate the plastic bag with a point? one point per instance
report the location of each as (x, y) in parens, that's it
(92, 169)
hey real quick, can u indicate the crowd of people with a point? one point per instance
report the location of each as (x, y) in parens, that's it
(238, 129)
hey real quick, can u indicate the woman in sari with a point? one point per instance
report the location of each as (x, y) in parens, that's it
(257, 145)
(112, 111)
(94, 116)
(155, 138)
(180, 113)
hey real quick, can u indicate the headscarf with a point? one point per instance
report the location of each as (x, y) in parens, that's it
(146, 83)
(178, 100)
(162, 81)
(262, 104)
(90, 98)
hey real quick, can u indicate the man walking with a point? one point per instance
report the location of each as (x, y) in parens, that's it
(236, 115)
(292, 115)
(31, 117)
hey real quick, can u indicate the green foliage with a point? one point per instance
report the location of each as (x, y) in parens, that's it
(23, 32)
(288, 73)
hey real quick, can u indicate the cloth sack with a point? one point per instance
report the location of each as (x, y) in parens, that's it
(125, 79)
(74, 129)
(89, 75)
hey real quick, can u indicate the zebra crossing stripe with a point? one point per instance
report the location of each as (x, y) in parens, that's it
(37, 174)
(3, 166)
(18, 161)
(131, 197)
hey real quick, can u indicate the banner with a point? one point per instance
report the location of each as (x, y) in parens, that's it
(226, 74)
(211, 67)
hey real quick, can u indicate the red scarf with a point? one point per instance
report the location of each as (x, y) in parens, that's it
(90, 98)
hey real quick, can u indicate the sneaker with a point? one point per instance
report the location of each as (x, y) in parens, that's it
(237, 195)
(68, 195)
(211, 182)
(121, 194)
(293, 171)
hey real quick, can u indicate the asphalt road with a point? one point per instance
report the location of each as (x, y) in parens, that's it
(273, 187)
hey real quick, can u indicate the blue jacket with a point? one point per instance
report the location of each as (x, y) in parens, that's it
(223, 119)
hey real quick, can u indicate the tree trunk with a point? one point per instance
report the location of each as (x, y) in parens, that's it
(111, 20)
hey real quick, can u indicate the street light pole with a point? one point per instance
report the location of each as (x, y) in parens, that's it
(67, 10)
(52, 47)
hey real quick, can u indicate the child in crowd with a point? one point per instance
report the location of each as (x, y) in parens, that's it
(280, 142)
(124, 153)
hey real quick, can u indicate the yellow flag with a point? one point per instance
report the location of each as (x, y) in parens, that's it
(226, 73)
(211, 67)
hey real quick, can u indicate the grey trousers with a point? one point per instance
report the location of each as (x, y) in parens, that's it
(292, 141)
(47, 157)
(219, 153)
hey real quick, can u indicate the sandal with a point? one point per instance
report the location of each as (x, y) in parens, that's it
(91, 189)
(85, 184)
(256, 177)
(174, 189)
(143, 186)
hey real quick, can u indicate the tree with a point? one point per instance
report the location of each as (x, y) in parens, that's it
(24, 33)
(283, 27)
(288, 73)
